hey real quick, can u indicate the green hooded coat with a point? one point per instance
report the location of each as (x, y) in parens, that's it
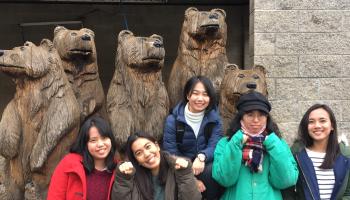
(279, 169)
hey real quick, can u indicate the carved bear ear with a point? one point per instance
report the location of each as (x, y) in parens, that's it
(190, 10)
(230, 67)
(221, 11)
(157, 37)
(123, 34)
(47, 44)
(260, 68)
(58, 29)
(28, 43)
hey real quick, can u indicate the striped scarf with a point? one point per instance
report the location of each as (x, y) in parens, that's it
(253, 149)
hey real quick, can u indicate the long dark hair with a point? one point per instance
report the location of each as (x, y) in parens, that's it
(332, 147)
(235, 125)
(208, 85)
(143, 175)
(80, 144)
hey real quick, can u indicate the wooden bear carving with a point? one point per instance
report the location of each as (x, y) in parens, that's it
(201, 51)
(235, 83)
(40, 122)
(78, 53)
(137, 98)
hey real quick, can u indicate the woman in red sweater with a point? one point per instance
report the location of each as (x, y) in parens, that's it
(87, 172)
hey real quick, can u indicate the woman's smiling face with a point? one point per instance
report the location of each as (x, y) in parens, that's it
(198, 99)
(98, 146)
(320, 125)
(147, 154)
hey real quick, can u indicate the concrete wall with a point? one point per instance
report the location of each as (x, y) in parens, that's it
(107, 20)
(305, 45)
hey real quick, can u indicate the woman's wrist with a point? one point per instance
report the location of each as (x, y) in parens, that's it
(201, 157)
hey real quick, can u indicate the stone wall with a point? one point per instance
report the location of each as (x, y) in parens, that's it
(305, 46)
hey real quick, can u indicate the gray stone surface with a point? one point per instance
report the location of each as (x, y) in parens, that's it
(321, 65)
(297, 88)
(271, 88)
(289, 131)
(313, 4)
(312, 43)
(284, 110)
(264, 44)
(262, 5)
(320, 21)
(279, 66)
(346, 66)
(334, 88)
(276, 21)
(344, 129)
(346, 21)
(346, 111)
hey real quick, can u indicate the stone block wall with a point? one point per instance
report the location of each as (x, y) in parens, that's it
(305, 46)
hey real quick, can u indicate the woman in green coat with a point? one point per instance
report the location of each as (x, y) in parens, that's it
(253, 162)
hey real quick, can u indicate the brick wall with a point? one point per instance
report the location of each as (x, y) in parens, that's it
(305, 46)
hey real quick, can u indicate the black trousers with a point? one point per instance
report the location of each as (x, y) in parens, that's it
(213, 189)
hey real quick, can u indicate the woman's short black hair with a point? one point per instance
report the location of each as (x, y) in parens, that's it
(143, 175)
(332, 146)
(80, 144)
(208, 85)
(235, 125)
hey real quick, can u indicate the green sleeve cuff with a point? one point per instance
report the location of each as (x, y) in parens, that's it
(237, 139)
(270, 140)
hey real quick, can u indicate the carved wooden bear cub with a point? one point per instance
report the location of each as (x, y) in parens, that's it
(237, 82)
(40, 122)
(201, 51)
(137, 98)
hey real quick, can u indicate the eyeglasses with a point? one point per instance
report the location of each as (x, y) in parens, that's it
(255, 115)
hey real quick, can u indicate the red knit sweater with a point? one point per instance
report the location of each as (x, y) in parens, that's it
(98, 184)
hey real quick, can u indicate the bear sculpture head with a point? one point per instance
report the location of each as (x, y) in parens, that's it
(199, 27)
(237, 82)
(143, 54)
(21, 61)
(75, 43)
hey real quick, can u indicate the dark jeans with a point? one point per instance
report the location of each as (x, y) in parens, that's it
(213, 189)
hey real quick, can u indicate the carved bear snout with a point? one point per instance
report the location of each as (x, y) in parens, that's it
(158, 44)
(251, 85)
(86, 37)
(213, 16)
